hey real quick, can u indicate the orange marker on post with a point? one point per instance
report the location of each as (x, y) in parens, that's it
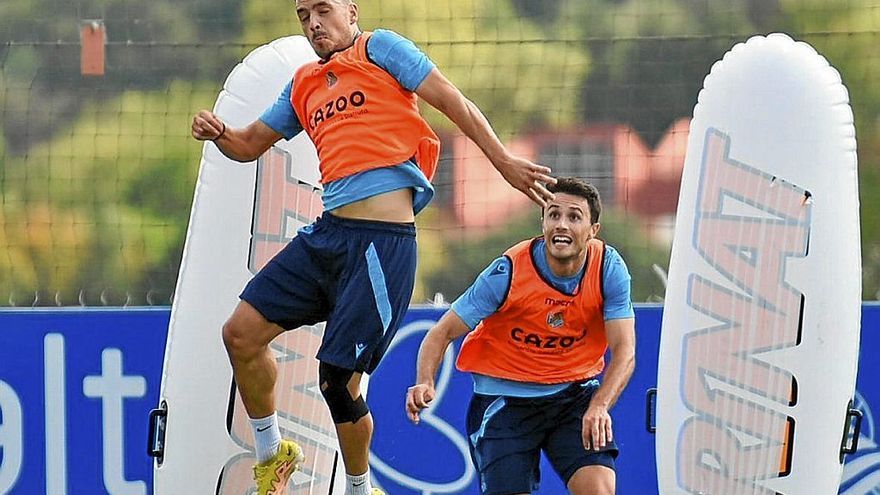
(93, 39)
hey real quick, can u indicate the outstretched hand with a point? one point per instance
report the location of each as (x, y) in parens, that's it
(418, 397)
(528, 178)
(206, 126)
(597, 432)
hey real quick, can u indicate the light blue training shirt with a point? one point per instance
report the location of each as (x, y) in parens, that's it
(410, 66)
(489, 290)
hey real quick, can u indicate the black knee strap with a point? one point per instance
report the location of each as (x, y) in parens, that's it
(334, 388)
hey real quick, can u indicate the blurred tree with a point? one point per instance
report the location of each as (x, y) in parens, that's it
(847, 33)
(869, 189)
(103, 207)
(96, 174)
(149, 45)
(649, 60)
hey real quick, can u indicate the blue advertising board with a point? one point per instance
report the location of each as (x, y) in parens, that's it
(76, 386)
(861, 473)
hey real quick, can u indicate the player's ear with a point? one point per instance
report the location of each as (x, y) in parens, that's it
(352, 13)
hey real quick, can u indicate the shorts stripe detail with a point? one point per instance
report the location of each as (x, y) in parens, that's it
(492, 410)
(380, 292)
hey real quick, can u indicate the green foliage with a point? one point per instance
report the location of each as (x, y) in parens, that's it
(266, 20)
(503, 62)
(848, 34)
(647, 261)
(128, 20)
(650, 58)
(105, 205)
(869, 186)
(97, 175)
(149, 44)
(464, 259)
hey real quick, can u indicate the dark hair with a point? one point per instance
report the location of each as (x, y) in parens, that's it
(582, 188)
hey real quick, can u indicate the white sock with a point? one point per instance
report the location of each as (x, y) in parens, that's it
(358, 485)
(267, 437)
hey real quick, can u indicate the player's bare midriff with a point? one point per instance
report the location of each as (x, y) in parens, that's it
(394, 206)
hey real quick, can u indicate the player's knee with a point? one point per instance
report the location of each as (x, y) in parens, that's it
(593, 480)
(334, 387)
(237, 340)
(247, 333)
(232, 337)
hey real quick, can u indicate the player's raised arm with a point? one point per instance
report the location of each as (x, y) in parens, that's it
(524, 175)
(243, 145)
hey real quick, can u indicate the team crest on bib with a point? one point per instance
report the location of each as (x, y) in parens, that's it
(331, 79)
(555, 320)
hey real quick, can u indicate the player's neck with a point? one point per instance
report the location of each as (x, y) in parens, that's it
(355, 34)
(567, 267)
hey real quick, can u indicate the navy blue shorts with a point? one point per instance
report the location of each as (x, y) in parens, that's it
(507, 435)
(357, 275)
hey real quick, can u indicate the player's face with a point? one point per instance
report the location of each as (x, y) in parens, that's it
(567, 227)
(328, 24)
